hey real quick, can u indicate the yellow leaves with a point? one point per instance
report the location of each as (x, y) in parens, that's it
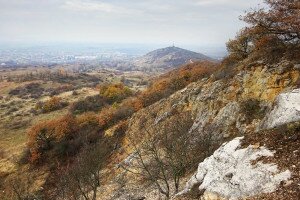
(115, 92)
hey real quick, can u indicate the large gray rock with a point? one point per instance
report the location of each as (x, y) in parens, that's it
(229, 172)
(286, 109)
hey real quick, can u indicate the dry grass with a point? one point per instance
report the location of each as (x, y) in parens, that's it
(14, 124)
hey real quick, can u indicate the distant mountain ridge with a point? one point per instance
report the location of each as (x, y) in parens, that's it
(167, 58)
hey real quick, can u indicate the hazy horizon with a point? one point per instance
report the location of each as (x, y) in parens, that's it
(197, 23)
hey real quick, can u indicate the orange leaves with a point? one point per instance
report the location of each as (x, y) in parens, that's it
(54, 103)
(43, 135)
(51, 104)
(106, 115)
(175, 80)
(34, 156)
(121, 128)
(64, 136)
(282, 20)
(241, 46)
(65, 126)
(273, 34)
(87, 119)
(136, 104)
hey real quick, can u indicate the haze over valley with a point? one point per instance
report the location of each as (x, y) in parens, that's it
(149, 99)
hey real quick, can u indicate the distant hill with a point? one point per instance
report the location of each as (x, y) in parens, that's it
(167, 58)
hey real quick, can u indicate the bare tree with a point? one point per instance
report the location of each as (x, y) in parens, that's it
(20, 187)
(82, 179)
(165, 154)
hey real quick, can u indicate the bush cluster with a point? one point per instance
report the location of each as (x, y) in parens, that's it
(89, 104)
(32, 90)
(54, 103)
(115, 92)
(173, 81)
(65, 136)
(61, 138)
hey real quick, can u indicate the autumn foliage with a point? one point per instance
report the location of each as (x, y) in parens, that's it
(169, 83)
(273, 34)
(161, 87)
(115, 92)
(54, 103)
(89, 104)
(62, 137)
(65, 136)
(108, 95)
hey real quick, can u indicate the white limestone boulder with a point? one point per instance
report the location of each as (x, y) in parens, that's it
(286, 109)
(229, 172)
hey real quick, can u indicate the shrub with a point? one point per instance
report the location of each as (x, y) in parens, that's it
(91, 103)
(34, 90)
(227, 71)
(25, 156)
(63, 137)
(87, 119)
(241, 46)
(115, 92)
(60, 89)
(82, 179)
(54, 103)
(121, 128)
(118, 112)
(252, 109)
(44, 135)
(175, 80)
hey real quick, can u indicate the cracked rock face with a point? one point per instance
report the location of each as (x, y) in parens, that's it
(229, 172)
(286, 109)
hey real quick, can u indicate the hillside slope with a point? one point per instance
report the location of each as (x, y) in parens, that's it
(221, 109)
(167, 58)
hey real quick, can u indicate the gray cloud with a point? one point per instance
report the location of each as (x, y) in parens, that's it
(197, 22)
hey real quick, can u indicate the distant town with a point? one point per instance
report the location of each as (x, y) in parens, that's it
(51, 55)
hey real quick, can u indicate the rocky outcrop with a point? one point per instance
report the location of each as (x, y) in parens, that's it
(286, 109)
(215, 104)
(216, 108)
(229, 173)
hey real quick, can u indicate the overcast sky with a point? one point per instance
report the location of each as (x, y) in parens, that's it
(183, 22)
